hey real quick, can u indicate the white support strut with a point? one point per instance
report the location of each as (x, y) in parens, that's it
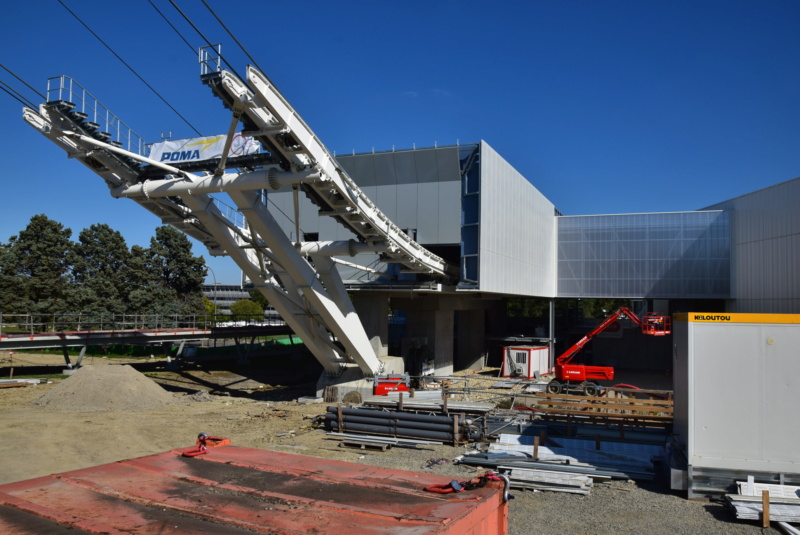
(308, 294)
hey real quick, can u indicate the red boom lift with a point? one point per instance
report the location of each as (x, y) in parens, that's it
(578, 376)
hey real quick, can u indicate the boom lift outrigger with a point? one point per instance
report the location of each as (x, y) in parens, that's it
(580, 377)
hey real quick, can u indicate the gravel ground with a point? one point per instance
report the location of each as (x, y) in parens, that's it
(254, 413)
(611, 508)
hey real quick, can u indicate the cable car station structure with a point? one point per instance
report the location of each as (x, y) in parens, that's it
(446, 233)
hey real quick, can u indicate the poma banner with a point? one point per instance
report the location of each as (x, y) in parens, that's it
(202, 148)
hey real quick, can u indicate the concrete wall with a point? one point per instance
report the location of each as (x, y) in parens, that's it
(449, 330)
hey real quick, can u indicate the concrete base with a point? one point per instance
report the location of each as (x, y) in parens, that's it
(352, 380)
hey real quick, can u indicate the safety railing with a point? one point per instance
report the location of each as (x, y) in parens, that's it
(64, 90)
(31, 324)
(210, 59)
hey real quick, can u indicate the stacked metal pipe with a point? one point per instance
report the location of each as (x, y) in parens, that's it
(395, 424)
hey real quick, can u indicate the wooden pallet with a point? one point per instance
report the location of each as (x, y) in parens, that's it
(625, 411)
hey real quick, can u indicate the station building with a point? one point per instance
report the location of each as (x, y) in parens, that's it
(509, 242)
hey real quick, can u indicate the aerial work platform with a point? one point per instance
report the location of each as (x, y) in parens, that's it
(233, 490)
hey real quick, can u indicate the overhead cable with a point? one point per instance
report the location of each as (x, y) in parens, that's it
(16, 96)
(131, 69)
(233, 36)
(187, 19)
(23, 81)
(166, 19)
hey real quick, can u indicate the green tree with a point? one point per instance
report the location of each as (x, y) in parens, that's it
(259, 298)
(12, 290)
(600, 308)
(170, 258)
(244, 309)
(41, 254)
(209, 307)
(101, 261)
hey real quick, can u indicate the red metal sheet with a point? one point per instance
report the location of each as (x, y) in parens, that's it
(234, 490)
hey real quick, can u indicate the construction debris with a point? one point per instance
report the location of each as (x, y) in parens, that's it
(551, 480)
(748, 504)
(11, 383)
(628, 457)
(442, 428)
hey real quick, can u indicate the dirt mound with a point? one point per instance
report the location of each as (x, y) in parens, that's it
(200, 396)
(105, 388)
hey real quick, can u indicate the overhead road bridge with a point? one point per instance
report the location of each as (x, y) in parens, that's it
(83, 331)
(43, 340)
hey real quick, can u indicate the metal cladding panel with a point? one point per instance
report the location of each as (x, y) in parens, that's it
(418, 189)
(449, 212)
(766, 249)
(365, 171)
(233, 490)
(385, 197)
(517, 232)
(662, 255)
(738, 390)
(681, 383)
(428, 212)
(407, 215)
(281, 204)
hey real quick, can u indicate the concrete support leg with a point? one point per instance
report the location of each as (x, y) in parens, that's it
(444, 322)
(373, 310)
(471, 339)
(80, 357)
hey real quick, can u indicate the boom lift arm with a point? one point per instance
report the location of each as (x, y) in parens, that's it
(568, 375)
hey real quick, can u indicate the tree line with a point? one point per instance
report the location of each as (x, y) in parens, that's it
(43, 271)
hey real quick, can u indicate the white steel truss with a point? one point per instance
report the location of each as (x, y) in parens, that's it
(299, 279)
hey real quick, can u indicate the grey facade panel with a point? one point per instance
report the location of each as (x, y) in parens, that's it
(447, 164)
(407, 215)
(405, 168)
(386, 199)
(425, 167)
(385, 173)
(766, 249)
(449, 212)
(672, 255)
(428, 213)
(365, 170)
(517, 232)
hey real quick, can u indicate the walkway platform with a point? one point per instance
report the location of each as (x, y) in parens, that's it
(43, 340)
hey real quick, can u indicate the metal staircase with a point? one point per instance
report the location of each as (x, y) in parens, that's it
(299, 279)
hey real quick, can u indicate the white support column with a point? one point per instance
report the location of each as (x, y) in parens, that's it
(315, 337)
(347, 328)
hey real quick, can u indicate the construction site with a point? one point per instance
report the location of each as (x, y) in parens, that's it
(420, 399)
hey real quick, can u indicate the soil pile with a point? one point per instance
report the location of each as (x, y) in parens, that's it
(105, 388)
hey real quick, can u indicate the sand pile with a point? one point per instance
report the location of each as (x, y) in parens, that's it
(105, 388)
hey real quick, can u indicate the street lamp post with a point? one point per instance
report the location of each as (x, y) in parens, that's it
(214, 297)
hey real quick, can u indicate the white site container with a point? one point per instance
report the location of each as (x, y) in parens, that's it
(525, 361)
(737, 392)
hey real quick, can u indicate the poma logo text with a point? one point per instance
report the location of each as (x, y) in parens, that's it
(180, 156)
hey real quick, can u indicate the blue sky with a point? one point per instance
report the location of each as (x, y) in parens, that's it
(605, 106)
